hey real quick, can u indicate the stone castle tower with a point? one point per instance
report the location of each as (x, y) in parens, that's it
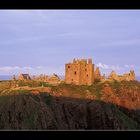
(79, 72)
(97, 73)
(24, 77)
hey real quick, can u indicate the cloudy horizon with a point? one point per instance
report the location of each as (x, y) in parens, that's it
(42, 41)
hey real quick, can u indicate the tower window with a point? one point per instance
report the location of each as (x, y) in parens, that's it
(85, 69)
(87, 75)
(75, 72)
(68, 66)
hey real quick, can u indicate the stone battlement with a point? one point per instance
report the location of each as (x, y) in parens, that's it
(81, 61)
(81, 72)
(127, 76)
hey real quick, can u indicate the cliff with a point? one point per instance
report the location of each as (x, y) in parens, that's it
(109, 105)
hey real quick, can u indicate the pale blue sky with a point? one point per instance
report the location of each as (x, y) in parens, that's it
(42, 41)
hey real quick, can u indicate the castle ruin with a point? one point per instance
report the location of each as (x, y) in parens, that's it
(24, 77)
(79, 72)
(53, 79)
(97, 73)
(127, 76)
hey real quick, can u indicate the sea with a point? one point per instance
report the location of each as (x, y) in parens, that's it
(9, 77)
(138, 78)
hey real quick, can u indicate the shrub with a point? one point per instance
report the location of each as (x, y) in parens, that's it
(115, 84)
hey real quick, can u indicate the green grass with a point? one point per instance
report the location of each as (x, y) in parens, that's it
(98, 94)
(115, 84)
(96, 89)
(45, 84)
(20, 91)
(32, 83)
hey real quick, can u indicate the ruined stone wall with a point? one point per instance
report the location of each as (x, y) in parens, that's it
(41, 77)
(97, 73)
(72, 73)
(79, 72)
(125, 77)
(20, 77)
(24, 77)
(90, 72)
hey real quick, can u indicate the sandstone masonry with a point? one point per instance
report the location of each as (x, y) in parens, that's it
(79, 72)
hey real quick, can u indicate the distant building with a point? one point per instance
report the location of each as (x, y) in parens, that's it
(41, 77)
(125, 77)
(54, 79)
(79, 72)
(24, 77)
(97, 73)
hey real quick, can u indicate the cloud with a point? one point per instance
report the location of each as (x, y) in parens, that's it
(39, 67)
(120, 69)
(105, 66)
(27, 68)
(14, 69)
(60, 70)
(129, 66)
(10, 70)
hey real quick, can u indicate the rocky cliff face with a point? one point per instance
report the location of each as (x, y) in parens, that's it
(65, 107)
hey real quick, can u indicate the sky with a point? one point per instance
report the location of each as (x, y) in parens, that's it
(42, 41)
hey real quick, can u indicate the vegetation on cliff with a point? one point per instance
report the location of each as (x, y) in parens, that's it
(36, 105)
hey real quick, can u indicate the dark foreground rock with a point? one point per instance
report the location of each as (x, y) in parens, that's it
(104, 106)
(44, 112)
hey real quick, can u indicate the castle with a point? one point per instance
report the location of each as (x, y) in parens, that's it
(81, 72)
(24, 77)
(127, 76)
(53, 79)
